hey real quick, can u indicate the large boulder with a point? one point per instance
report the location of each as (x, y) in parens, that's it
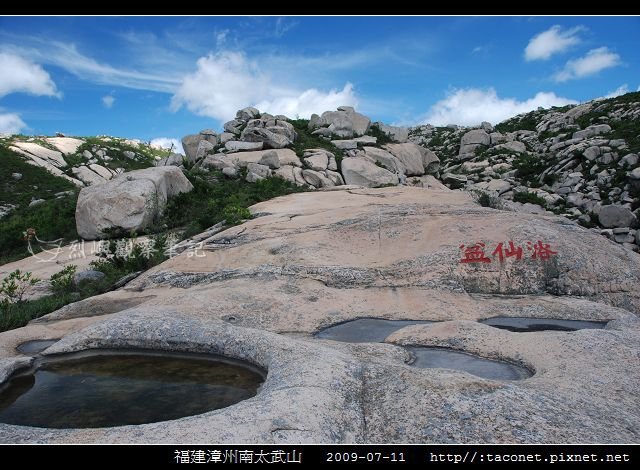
(345, 122)
(397, 134)
(616, 216)
(592, 131)
(129, 202)
(474, 139)
(416, 160)
(385, 159)
(268, 138)
(362, 171)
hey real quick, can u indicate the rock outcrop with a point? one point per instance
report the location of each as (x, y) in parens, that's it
(315, 259)
(576, 161)
(128, 202)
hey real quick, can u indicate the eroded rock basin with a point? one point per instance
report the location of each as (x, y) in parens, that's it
(113, 388)
(35, 346)
(365, 330)
(523, 324)
(428, 358)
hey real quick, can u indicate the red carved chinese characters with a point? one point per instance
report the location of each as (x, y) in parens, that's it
(476, 253)
(511, 251)
(541, 250)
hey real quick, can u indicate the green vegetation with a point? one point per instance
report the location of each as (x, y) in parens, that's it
(23, 313)
(382, 138)
(306, 140)
(216, 198)
(121, 258)
(526, 196)
(529, 168)
(52, 219)
(518, 123)
(115, 148)
(62, 281)
(20, 191)
(14, 286)
(486, 199)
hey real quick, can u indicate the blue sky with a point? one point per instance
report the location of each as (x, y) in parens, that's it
(165, 77)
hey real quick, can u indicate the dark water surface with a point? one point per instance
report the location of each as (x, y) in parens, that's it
(428, 358)
(522, 324)
(112, 389)
(366, 330)
(35, 346)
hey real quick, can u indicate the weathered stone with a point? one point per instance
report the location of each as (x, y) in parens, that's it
(175, 159)
(269, 139)
(101, 171)
(233, 127)
(285, 172)
(472, 140)
(592, 131)
(411, 156)
(128, 202)
(363, 172)
(386, 159)
(335, 177)
(238, 146)
(230, 172)
(345, 122)
(50, 156)
(318, 161)
(397, 134)
(262, 171)
(88, 276)
(270, 159)
(592, 153)
(36, 202)
(247, 113)
(66, 145)
(515, 146)
(87, 176)
(190, 145)
(616, 216)
(345, 144)
(316, 179)
(496, 138)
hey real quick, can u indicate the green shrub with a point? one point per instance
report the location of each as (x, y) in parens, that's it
(307, 140)
(234, 214)
(14, 286)
(526, 196)
(382, 138)
(23, 313)
(529, 167)
(212, 194)
(62, 281)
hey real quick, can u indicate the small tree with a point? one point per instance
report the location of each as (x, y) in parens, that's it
(13, 288)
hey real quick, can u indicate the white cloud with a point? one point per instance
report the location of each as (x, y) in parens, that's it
(18, 75)
(595, 61)
(108, 101)
(221, 37)
(309, 102)
(471, 106)
(228, 81)
(10, 123)
(67, 56)
(552, 41)
(166, 143)
(621, 90)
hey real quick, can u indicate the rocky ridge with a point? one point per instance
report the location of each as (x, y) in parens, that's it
(579, 161)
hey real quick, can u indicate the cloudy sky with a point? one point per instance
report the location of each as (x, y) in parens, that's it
(165, 77)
